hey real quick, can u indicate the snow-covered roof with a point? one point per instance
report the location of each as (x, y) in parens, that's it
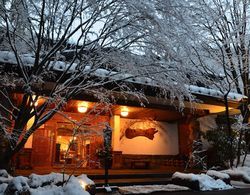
(9, 57)
(28, 60)
(214, 93)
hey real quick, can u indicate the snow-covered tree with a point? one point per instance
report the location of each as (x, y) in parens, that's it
(53, 50)
(208, 40)
(168, 39)
(221, 47)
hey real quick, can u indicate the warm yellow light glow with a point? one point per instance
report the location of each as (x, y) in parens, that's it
(87, 142)
(29, 142)
(82, 107)
(83, 184)
(124, 111)
(36, 102)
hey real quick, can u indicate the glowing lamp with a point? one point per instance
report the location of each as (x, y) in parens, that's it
(83, 107)
(124, 112)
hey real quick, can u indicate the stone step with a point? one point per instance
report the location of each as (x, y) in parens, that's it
(134, 181)
(130, 176)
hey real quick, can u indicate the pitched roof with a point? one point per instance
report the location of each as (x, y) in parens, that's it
(7, 57)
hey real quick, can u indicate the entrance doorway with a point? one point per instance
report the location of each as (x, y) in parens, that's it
(77, 149)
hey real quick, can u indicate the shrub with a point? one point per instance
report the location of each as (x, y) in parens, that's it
(219, 154)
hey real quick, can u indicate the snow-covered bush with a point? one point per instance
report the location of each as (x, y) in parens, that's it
(53, 183)
(201, 182)
(239, 173)
(4, 173)
(73, 187)
(49, 179)
(5, 179)
(18, 184)
(219, 175)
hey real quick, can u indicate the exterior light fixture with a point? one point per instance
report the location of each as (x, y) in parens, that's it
(124, 111)
(82, 107)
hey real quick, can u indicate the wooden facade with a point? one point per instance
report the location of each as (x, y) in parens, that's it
(48, 146)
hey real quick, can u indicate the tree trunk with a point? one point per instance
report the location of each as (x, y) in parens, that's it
(229, 130)
(5, 154)
(245, 114)
(5, 163)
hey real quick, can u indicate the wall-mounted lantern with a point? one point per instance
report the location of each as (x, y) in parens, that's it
(124, 111)
(82, 107)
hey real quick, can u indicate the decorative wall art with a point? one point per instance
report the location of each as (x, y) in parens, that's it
(148, 137)
(131, 133)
